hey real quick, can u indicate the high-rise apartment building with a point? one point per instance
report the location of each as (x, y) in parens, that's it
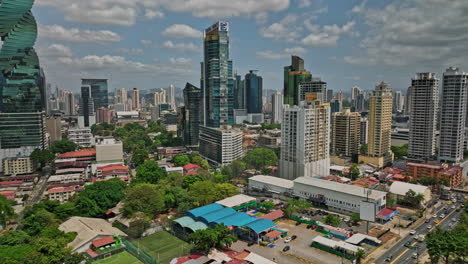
(380, 126)
(220, 146)
(86, 117)
(363, 130)
(159, 97)
(408, 98)
(346, 136)
(22, 83)
(69, 103)
(54, 128)
(315, 88)
(453, 115)
(305, 140)
(99, 91)
(217, 77)
(336, 105)
(398, 102)
(135, 99)
(104, 115)
(329, 95)
(277, 107)
(193, 113)
(339, 96)
(123, 95)
(240, 99)
(423, 116)
(357, 99)
(254, 92)
(171, 97)
(294, 74)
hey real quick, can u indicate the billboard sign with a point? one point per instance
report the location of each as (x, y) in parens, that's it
(367, 211)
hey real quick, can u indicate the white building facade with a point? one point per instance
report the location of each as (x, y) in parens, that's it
(220, 146)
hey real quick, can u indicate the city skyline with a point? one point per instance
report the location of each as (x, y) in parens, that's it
(163, 43)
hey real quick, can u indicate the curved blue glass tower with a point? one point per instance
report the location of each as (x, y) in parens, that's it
(21, 80)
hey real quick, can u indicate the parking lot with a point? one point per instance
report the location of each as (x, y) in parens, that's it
(300, 250)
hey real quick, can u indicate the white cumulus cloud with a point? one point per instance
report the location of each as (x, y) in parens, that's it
(327, 35)
(57, 32)
(54, 50)
(275, 55)
(181, 31)
(181, 46)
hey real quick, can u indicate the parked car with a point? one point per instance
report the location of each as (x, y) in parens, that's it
(453, 207)
(434, 216)
(429, 227)
(309, 226)
(287, 240)
(286, 248)
(293, 237)
(412, 232)
(408, 243)
(427, 220)
(442, 215)
(415, 255)
(389, 258)
(298, 223)
(251, 243)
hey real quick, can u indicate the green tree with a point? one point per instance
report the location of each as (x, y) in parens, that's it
(296, 205)
(150, 172)
(360, 254)
(355, 217)
(189, 180)
(139, 156)
(145, 198)
(260, 157)
(354, 172)
(197, 159)
(175, 196)
(332, 220)
(218, 237)
(121, 133)
(38, 220)
(363, 149)
(6, 210)
(97, 198)
(400, 151)
(180, 160)
(62, 146)
(205, 192)
(14, 237)
(42, 157)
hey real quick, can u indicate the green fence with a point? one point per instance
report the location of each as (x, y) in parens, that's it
(138, 253)
(332, 251)
(251, 204)
(298, 219)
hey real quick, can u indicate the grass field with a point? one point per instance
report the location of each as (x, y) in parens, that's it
(122, 258)
(163, 247)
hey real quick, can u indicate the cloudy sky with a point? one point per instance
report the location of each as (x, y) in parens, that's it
(153, 43)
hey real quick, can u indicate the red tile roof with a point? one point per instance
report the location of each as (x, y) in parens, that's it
(386, 212)
(112, 167)
(78, 153)
(424, 165)
(61, 189)
(97, 179)
(103, 241)
(191, 166)
(91, 253)
(273, 215)
(8, 183)
(10, 195)
(273, 234)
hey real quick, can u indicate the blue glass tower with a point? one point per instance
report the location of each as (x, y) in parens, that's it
(99, 92)
(22, 84)
(254, 91)
(217, 77)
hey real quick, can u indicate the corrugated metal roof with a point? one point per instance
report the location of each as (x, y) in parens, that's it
(204, 210)
(283, 183)
(238, 219)
(236, 200)
(184, 221)
(401, 188)
(261, 225)
(218, 214)
(197, 226)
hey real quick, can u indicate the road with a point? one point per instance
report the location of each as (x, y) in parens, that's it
(402, 254)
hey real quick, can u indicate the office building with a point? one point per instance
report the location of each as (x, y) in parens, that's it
(54, 128)
(193, 113)
(239, 93)
(99, 92)
(398, 102)
(217, 77)
(22, 82)
(87, 116)
(69, 103)
(452, 116)
(346, 126)
(408, 99)
(159, 97)
(336, 106)
(81, 136)
(315, 88)
(305, 140)
(254, 92)
(329, 95)
(277, 107)
(135, 99)
(220, 146)
(171, 97)
(363, 130)
(104, 115)
(294, 74)
(423, 117)
(339, 96)
(357, 99)
(380, 127)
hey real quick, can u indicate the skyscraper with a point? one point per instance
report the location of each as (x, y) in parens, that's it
(277, 107)
(22, 84)
(217, 77)
(87, 116)
(408, 99)
(123, 95)
(357, 99)
(315, 86)
(293, 76)
(329, 95)
(346, 133)
(98, 91)
(339, 96)
(380, 127)
(254, 91)
(423, 116)
(69, 101)
(239, 93)
(159, 97)
(453, 115)
(171, 97)
(398, 102)
(305, 140)
(192, 117)
(135, 99)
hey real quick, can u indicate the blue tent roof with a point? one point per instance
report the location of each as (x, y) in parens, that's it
(197, 226)
(237, 219)
(260, 225)
(218, 214)
(194, 213)
(184, 221)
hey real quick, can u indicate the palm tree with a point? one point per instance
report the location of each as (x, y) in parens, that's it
(360, 255)
(419, 198)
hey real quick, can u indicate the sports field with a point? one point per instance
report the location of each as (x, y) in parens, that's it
(122, 258)
(163, 247)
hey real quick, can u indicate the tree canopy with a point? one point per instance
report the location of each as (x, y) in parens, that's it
(150, 172)
(400, 151)
(260, 157)
(42, 156)
(206, 192)
(218, 237)
(139, 156)
(180, 160)
(332, 220)
(6, 210)
(197, 159)
(145, 198)
(62, 146)
(354, 172)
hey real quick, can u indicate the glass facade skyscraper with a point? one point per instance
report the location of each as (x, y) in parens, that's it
(254, 91)
(293, 76)
(239, 93)
(192, 115)
(99, 91)
(217, 77)
(22, 83)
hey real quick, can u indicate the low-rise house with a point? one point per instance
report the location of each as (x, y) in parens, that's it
(112, 171)
(191, 169)
(61, 194)
(399, 190)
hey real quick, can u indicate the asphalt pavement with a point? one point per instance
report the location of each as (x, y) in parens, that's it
(402, 254)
